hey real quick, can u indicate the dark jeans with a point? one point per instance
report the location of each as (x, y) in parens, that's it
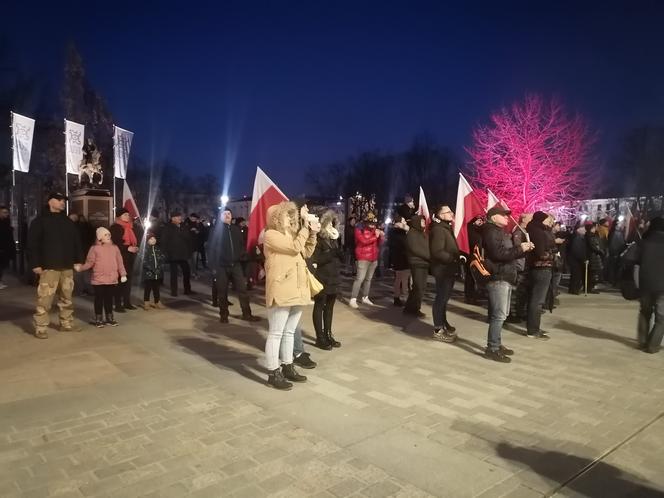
(151, 286)
(123, 290)
(469, 289)
(104, 298)
(651, 303)
(444, 286)
(539, 282)
(322, 315)
(499, 294)
(414, 301)
(556, 276)
(225, 275)
(186, 276)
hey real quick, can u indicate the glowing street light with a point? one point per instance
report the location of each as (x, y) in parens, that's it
(224, 200)
(621, 218)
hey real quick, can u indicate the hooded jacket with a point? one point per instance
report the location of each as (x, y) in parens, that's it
(286, 279)
(366, 244)
(328, 254)
(545, 250)
(443, 247)
(417, 243)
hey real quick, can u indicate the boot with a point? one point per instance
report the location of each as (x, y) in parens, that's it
(322, 342)
(276, 379)
(398, 302)
(99, 321)
(291, 374)
(110, 320)
(332, 341)
(146, 305)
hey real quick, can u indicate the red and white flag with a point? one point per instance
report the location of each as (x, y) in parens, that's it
(266, 194)
(492, 200)
(128, 202)
(423, 209)
(468, 206)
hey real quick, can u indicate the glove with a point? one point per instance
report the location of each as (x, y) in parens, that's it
(123, 279)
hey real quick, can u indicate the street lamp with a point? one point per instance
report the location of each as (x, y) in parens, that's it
(224, 200)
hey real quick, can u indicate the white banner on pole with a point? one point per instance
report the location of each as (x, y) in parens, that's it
(121, 146)
(74, 137)
(22, 132)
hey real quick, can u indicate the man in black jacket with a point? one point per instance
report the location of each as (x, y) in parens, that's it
(54, 252)
(177, 245)
(232, 252)
(444, 265)
(500, 256)
(418, 259)
(651, 284)
(7, 243)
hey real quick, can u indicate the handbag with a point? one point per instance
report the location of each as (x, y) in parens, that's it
(315, 287)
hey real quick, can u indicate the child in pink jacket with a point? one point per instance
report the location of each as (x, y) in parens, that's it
(106, 262)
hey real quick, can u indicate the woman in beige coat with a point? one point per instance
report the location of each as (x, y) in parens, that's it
(286, 246)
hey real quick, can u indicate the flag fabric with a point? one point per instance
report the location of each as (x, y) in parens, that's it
(468, 207)
(129, 203)
(492, 200)
(423, 209)
(74, 139)
(121, 147)
(266, 194)
(23, 129)
(631, 231)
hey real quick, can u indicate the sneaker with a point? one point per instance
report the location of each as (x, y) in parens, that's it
(291, 374)
(506, 351)
(158, 305)
(41, 334)
(70, 328)
(449, 328)
(276, 379)
(353, 303)
(438, 334)
(498, 356)
(111, 321)
(147, 305)
(542, 336)
(366, 300)
(99, 324)
(304, 361)
(449, 336)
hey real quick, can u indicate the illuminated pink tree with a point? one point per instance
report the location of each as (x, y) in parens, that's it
(533, 155)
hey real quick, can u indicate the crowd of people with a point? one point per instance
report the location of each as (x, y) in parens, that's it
(516, 265)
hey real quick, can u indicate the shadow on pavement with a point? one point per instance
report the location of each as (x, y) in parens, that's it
(596, 334)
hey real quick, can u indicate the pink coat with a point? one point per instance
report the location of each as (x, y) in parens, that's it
(106, 263)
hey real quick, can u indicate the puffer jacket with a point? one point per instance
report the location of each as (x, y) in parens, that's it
(286, 279)
(417, 243)
(153, 263)
(444, 249)
(367, 244)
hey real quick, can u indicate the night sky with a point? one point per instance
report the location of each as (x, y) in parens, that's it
(290, 84)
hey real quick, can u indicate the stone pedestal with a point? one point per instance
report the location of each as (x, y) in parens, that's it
(95, 205)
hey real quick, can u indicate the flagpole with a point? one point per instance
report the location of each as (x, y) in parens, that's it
(114, 153)
(13, 197)
(66, 175)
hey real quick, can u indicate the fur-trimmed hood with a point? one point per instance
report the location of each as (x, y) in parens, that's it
(275, 217)
(327, 220)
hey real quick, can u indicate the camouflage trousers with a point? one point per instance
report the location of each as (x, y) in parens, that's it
(52, 282)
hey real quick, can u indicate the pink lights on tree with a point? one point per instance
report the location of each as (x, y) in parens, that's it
(533, 154)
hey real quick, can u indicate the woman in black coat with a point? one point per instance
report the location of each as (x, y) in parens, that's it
(326, 261)
(396, 240)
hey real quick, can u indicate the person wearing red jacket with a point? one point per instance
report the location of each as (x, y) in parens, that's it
(367, 243)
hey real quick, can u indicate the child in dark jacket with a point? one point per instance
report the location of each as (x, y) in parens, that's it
(153, 273)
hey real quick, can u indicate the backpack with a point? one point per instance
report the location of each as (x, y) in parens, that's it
(478, 269)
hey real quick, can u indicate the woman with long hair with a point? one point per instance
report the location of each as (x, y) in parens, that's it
(287, 243)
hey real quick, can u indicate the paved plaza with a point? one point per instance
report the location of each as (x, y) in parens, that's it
(171, 404)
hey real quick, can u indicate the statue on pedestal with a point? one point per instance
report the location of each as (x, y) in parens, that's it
(91, 174)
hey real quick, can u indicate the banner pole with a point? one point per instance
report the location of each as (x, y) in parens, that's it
(66, 176)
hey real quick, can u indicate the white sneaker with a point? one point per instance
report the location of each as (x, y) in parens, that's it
(353, 303)
(366, 300)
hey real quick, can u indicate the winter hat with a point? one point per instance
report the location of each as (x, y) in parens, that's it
(101, 231)
(540, 216)
(119, 212)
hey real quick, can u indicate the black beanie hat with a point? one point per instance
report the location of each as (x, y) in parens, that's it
(540, 216)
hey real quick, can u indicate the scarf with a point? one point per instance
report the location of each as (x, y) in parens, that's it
(332, 232)
(128, 237)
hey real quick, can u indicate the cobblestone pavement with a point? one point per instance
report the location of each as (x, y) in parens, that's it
(171, 403)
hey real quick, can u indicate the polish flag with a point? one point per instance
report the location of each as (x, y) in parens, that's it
(423, 209)
(266, 194)
(129, 204)
(468, 206)
(493, 201)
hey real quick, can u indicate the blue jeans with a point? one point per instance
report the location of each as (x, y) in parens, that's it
(651, 303)
(539, 282)
(282, 322)
(365, 272)
(444, 286)
(499, 307)
(298, 344)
